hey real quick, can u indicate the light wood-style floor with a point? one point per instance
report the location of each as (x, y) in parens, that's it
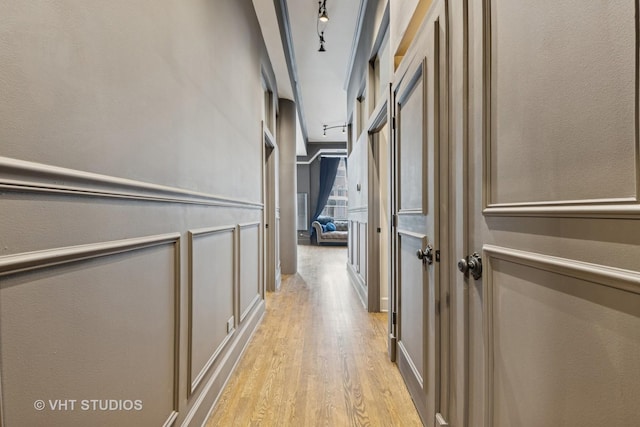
(318, 358)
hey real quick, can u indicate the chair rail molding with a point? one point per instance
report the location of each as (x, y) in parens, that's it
(23, 176)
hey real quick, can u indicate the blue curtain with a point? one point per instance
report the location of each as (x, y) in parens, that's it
(328, 171)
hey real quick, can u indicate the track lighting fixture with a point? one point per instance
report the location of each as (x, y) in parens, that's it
(325, 128)
(322, 49)
(321, 23)
(322, 11)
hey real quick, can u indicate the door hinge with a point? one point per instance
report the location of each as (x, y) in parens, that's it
(394, 220)
(379, 230)
(266, 226)
(393, 123)
(438, 255)
(393, 318)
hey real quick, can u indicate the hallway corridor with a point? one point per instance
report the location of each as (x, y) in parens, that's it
(318, 358)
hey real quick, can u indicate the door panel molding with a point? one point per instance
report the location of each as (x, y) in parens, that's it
(414, 323)
(420, 236)
(618, 206)
(603, 286)
(405, 91)
(419, 242)
(411, 374)
(617, 278)
(626, 209)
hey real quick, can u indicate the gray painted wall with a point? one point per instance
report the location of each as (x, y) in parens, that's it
(131, 148)
(363, 257)
(304, 182)
(288, 186)
(357, 78)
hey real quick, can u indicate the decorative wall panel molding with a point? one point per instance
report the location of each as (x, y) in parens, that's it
(211, 326)
(363, 250)
(10, 264)
(22, 176)
(203, 402)
(90, 281)
(352, 242)
(250, 271)
(358, 284)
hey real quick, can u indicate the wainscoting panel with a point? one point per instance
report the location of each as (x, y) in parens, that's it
(362, 250)
(211, 297)
(561, 335)
(357, 265)
(356, 246)
(89, 327)
(251, 291)
(278, 267)
(351, 242)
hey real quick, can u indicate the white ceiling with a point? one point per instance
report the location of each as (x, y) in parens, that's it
(321, 75)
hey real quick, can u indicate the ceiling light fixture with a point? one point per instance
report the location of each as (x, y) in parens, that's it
(322, 49)
(325, 128)
(322, 11)
(323, 18)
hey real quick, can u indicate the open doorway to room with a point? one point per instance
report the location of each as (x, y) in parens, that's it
(323, 188)
(380, 218)
(337, 202)
(329, 219)
(323, 196)
(271, 216)
(370, 219)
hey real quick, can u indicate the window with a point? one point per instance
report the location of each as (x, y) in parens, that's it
(337, 204)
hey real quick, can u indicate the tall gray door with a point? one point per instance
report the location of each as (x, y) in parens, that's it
(554, 208)
(417, 238)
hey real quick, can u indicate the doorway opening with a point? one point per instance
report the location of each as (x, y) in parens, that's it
(379, 212)
(270, 214)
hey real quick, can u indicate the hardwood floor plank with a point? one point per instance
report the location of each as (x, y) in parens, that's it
(318, 358)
